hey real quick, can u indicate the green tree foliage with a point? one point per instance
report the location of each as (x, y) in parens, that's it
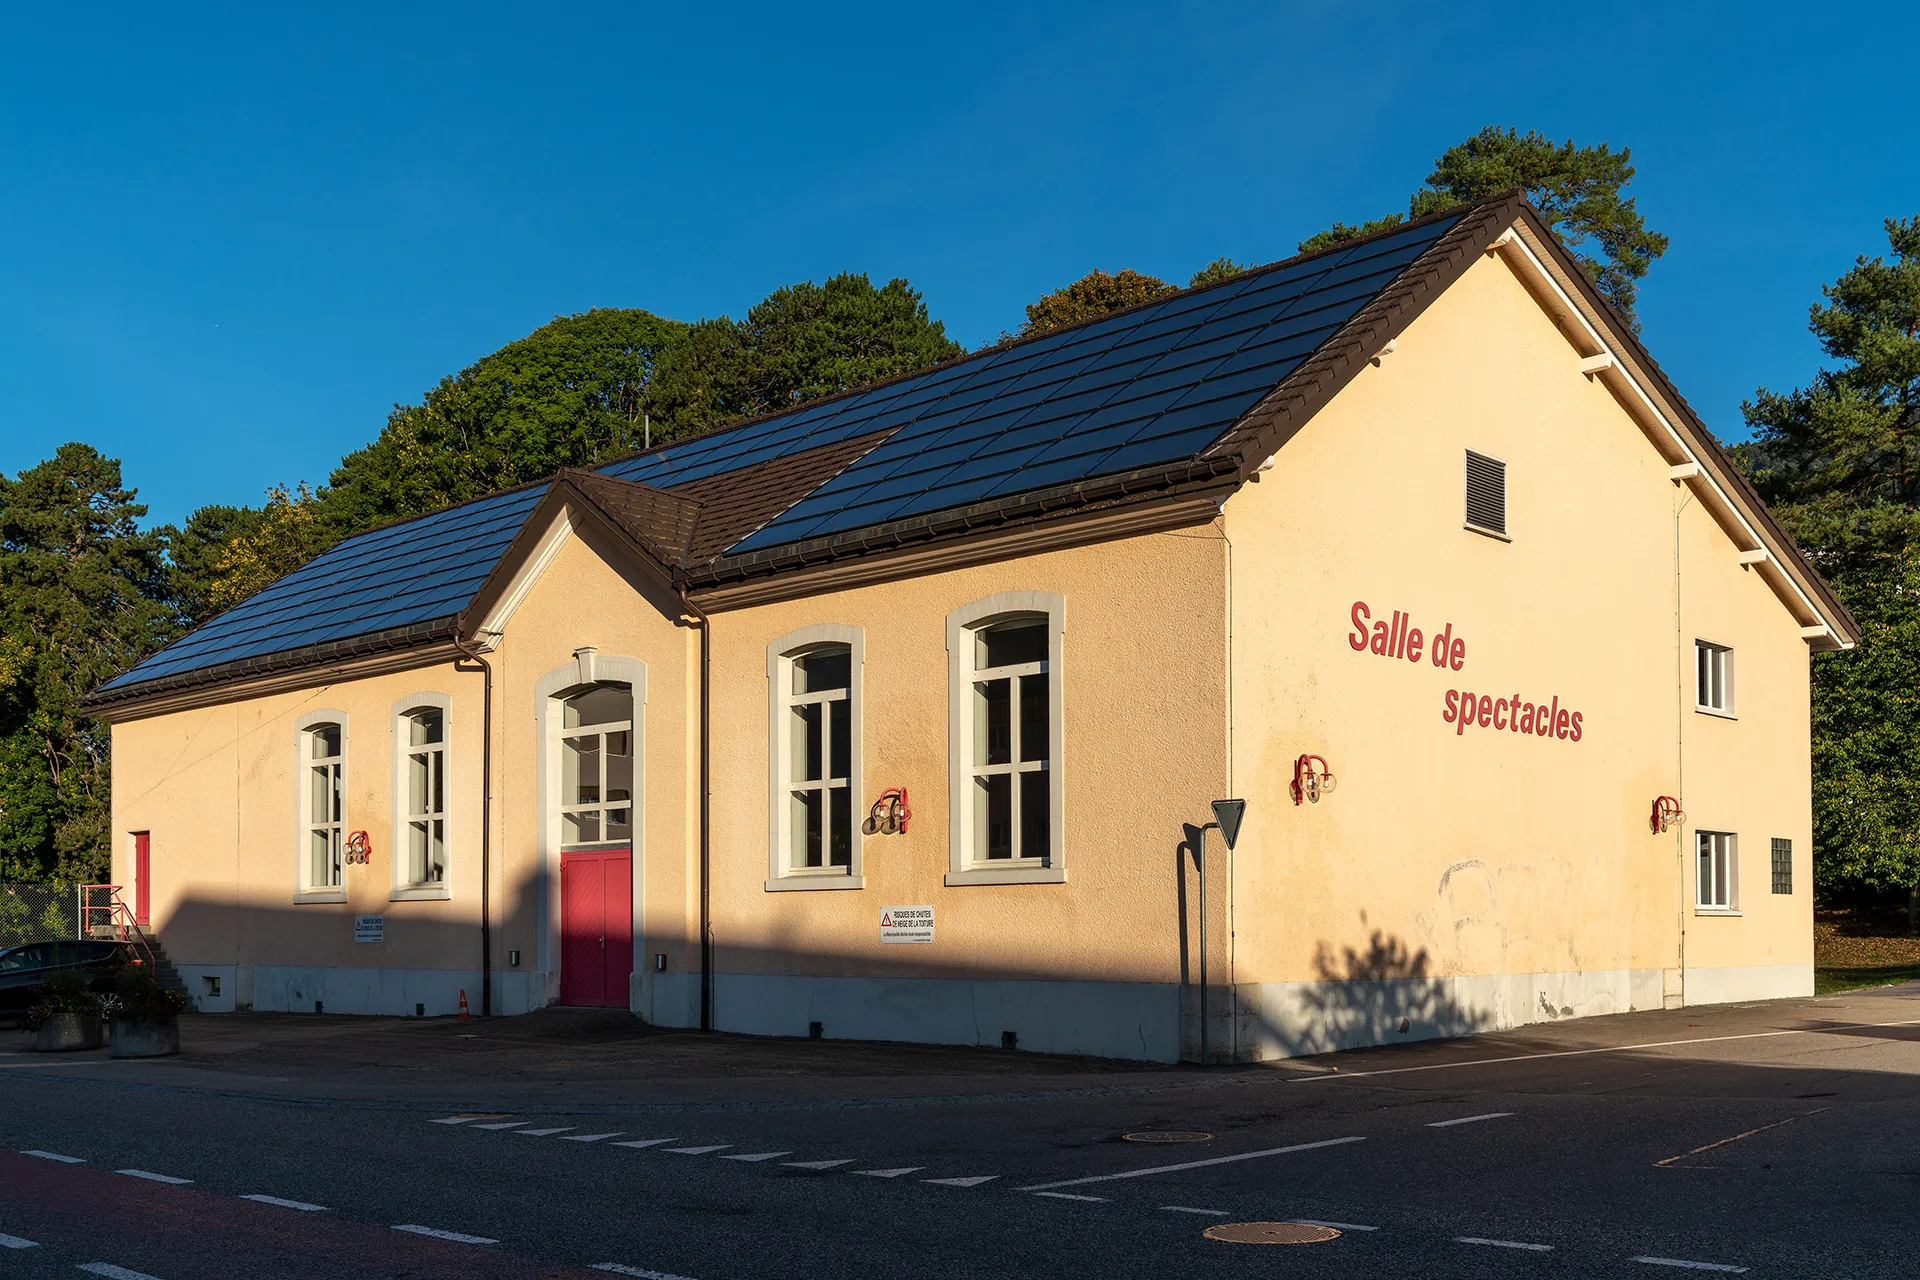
(1216, 271)
(571, 393)
(292, 529)
(1840, 462)
(801, 342)
(195, 553)
(84, 593)
(1094, 294)
(1578, 191)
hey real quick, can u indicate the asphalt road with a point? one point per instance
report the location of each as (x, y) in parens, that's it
(1783, 1139)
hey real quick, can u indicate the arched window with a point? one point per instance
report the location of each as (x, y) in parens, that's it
(1005, 736)
(422, 740)
(596, 767)
(324, 806)
(814, 801)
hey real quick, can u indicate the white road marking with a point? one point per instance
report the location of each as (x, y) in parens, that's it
(504, 1124)
(620, 1269)
(15, 1242)
(759, 1155)
(157, 1177)
(277, 1202)
(697, 1151)
(595, 1137)
(816, 1164)
(112, 1272)
(1184, 1208)
(1192, 1164)
(455, 1236)
(1691, 1266)
(645, 1142)
(1337, 1226)
(960, 1182)
(1504, 1244)
(55, 1155)
(1582, 1053)
(465, 1119)
(886, 1173)
(1062, 1195)
(542, 1133)
(1491, 1115)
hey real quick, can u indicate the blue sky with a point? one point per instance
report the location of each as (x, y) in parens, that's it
(231, 239)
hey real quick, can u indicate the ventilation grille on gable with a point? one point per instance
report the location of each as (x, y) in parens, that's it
(1486, 494)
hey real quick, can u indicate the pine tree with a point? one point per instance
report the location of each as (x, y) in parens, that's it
(1840, 461)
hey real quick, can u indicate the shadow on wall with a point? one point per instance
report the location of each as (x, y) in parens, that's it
(1381, 995)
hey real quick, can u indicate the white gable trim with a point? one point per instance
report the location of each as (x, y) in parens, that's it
(1600, 359)
(555, 536)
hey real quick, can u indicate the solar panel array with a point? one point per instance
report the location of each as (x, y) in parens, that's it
(417, 571)
(1154, 386)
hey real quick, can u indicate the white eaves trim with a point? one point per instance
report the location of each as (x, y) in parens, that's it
(1600, 360)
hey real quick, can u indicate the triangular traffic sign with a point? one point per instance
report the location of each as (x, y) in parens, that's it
(1228, 814)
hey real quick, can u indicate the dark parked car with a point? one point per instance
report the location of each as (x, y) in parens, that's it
(22, 969)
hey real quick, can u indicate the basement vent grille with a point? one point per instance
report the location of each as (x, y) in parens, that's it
(1486, 494)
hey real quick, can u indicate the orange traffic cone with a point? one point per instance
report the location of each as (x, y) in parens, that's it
(463, 1005)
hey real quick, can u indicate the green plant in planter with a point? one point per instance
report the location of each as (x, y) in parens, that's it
(64, 991)
(138, 995)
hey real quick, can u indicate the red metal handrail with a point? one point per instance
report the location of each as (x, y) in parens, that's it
(119, 920)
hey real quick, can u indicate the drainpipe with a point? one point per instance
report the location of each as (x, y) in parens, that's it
(706, 863)
(486, 822)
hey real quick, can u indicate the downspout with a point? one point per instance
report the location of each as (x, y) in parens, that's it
(486, 821)
(1680, 748)
(706, 864)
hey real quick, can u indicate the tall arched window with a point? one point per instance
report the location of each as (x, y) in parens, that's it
(596, 767)
(814, 800)
(1005, 740)
(324, 807)
(423, 767)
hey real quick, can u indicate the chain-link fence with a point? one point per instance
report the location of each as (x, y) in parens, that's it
(38, 913)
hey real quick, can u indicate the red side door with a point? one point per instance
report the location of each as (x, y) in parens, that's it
(142, 876)
(596, 927)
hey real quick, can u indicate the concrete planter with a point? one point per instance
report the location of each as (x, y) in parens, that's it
(64, 1032)
(145, 1037)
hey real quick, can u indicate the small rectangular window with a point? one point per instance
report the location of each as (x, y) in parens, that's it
(424, 764)
(1713, 677)
(1782, 865)
(1486, 494)
(1718, 863)
(326, 806)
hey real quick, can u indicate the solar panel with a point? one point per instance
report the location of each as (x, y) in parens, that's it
(1149, 387)
(1131, 391)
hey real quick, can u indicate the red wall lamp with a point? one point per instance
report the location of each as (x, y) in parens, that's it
(1309, 783)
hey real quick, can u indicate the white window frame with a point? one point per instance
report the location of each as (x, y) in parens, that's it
(782, 876)
(962, 623)
(1720, 660)
(631, 727)
(303, 888)
(404, 889)
(589, 666)
(1725, 852)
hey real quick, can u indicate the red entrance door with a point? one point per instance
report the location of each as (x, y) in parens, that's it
(596, 926)
(142, 876)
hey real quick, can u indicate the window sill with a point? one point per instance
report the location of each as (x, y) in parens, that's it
(319, 895)
(1717, 911)
(804, 883)
(1715, 712)
(1007, 875)
(1495, 534)
(422, 893)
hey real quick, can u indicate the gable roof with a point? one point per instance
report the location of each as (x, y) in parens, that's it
(1188, 393)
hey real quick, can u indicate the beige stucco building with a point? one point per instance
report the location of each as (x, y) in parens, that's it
(1419, 509)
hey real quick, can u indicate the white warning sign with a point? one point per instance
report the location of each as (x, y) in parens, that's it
(906, 924)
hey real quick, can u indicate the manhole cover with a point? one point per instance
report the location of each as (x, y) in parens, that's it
(1168, 1135)
(1270, 1233)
